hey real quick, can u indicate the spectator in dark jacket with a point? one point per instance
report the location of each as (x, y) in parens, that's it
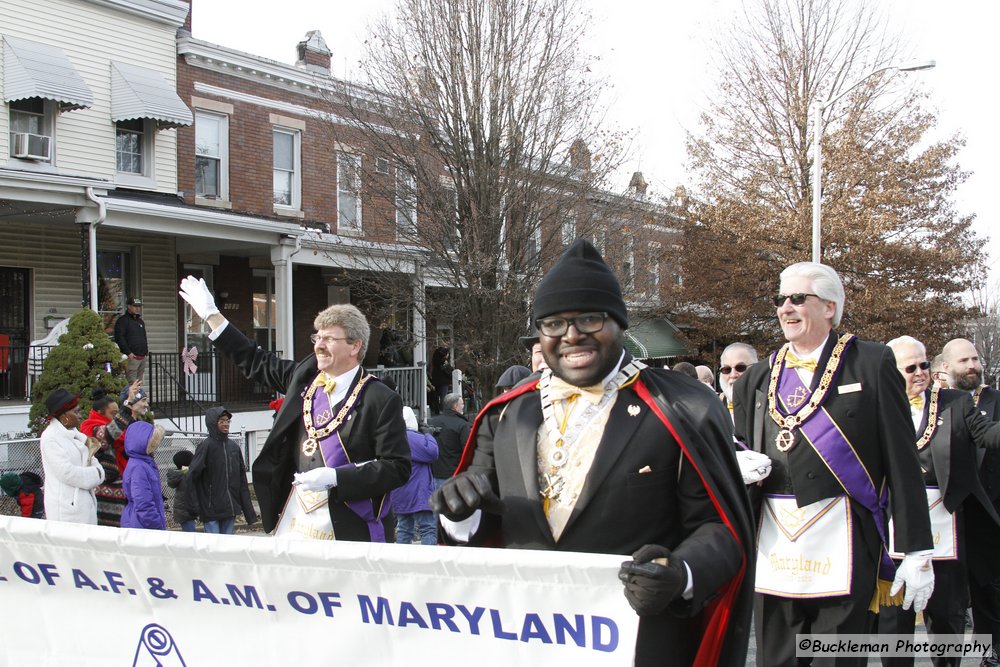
(220, 476)
(411, 502)
(185, 496)
(141, 481)
(130, 335)
(452, 430)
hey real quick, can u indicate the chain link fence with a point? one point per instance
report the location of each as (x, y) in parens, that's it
(23, 455)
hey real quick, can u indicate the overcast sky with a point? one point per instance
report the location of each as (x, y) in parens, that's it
(656, 54)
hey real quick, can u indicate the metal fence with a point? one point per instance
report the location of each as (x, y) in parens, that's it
(24, 455)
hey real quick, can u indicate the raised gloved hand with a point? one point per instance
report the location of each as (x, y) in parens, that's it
(317, 479)
(754, 466)
(649, 586)
(917, 574)
(196, 293)
(462, 495)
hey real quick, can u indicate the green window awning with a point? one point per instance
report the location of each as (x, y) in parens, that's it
(654, 339)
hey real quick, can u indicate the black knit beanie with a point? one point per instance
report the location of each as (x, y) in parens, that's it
(581, 281)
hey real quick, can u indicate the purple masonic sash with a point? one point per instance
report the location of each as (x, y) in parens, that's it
(335, 456)
(836, 451)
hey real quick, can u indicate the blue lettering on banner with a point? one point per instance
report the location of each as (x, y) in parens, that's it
(81, 580)
(200, 591)
(305, 603)
(563, 630)
(498, 630)
(115, 581)
(246, 596)
(158, 589)
(46, 571)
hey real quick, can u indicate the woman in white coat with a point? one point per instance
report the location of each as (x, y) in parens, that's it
(71, 471)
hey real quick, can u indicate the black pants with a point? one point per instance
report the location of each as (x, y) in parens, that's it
(944, 615)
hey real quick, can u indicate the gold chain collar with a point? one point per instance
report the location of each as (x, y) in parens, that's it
(788, 423)
(979, 394)
(932, 412)
(317, 434)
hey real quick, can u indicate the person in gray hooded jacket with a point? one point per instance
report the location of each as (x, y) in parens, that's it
(220, 476)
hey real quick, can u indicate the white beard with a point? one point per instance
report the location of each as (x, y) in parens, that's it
(727, 387)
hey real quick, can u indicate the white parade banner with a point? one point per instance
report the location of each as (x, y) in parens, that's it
(93, 595)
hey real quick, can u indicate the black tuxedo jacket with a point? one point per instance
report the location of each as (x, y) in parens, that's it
(641, 489)
(375, 432)
(982, 537)
(960, 431)
(867, 401)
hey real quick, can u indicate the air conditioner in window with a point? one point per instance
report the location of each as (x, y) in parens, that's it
(32, 146)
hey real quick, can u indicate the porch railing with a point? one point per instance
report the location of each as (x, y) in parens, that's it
(183, 397)
(20, 366)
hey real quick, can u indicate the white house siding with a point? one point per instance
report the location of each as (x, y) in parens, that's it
(52, 253)
(92, 36)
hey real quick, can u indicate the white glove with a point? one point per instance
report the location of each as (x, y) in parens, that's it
(754, 466)
(196, 293)
(317, 479)
(917, 574)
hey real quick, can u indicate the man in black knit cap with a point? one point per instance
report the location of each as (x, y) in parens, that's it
(604, 455)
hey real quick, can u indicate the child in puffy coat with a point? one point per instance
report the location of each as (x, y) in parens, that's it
(141, 480)
(185, 497)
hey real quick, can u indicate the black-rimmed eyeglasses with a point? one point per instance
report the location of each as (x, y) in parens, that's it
(797, 299)
(585, 323)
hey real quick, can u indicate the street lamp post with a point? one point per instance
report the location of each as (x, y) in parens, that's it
(818, 109)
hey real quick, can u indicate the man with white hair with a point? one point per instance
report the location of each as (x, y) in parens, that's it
(830, 411)
(734, 362)
(705, 376)
(961, 362)
(949, 429)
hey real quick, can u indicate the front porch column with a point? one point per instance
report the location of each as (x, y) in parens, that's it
(420, 332)
(281, 257)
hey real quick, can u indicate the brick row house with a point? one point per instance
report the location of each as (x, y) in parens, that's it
(168, 155)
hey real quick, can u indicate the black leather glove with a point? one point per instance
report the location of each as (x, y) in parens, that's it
(462, 495)
(650, 587)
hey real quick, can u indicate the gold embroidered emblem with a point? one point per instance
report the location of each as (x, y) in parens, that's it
(797, 397)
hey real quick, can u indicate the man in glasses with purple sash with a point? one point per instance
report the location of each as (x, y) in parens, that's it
(830, 411)
(338, 445)
(949, 431)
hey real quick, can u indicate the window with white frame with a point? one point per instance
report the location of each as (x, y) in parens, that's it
(569, 229)
(133, 146)
(533, 244)
(32, 116)
(348, 192)
(287, 171)
(628, 265)
(406, 201)
(211, 169)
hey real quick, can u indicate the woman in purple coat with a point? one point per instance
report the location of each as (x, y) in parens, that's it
(141, 481)
(411, 502)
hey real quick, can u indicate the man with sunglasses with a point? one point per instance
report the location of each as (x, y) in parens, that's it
(949, 429)
(830, 411)
(338, 445)
(602, 454)
(734, 362)
(961, 362)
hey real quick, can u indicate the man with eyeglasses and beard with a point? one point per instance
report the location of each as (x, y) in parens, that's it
(338, 444)
(602, 454)
(961, 362)
(949, 431)
(830, 410)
